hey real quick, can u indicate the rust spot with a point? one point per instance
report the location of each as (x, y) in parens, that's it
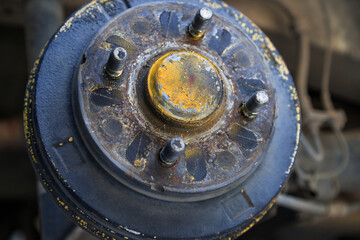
(176, 179)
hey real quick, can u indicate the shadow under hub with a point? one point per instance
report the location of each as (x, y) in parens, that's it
(168, 120)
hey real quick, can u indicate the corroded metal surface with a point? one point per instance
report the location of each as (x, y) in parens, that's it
(88, 194)
(212, 79)
(184, 86)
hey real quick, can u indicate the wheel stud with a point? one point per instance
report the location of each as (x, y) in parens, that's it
(172, 151)
(200, 23)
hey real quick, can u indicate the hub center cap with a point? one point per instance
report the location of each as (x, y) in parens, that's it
(184, 86)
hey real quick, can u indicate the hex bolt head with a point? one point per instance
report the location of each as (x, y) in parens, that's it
(252, 107)
(116, 62)
(200, 23)
(172, 151)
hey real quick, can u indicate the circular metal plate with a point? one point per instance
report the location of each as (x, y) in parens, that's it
(184, 87)
(96, 200)
(128, 134)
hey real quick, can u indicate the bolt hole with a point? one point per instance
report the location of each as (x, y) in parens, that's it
(157, 188)
(83, 60)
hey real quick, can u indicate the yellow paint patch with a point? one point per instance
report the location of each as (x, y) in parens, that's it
(139, 162)
(185, 86)
(87, 9)
(211, 4)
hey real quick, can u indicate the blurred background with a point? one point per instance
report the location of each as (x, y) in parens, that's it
(320, 42)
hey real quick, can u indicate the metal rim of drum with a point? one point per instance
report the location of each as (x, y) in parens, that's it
(99, 219)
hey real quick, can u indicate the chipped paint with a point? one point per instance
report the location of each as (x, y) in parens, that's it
(85, 10)
(212, 4)
(255, 34)
(140, 162)
(253, 221)
(132, 231)
(31, 145)
(293, 156)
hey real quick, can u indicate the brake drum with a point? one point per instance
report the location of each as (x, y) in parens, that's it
(162, 120)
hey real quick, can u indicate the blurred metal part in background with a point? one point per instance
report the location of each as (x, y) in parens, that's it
(327, 24)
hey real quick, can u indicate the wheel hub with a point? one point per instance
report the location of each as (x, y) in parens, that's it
(162, 121)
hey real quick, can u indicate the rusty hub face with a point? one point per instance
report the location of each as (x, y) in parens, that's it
(173, 85)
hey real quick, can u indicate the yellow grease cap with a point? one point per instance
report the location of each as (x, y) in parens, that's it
(184, 86)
